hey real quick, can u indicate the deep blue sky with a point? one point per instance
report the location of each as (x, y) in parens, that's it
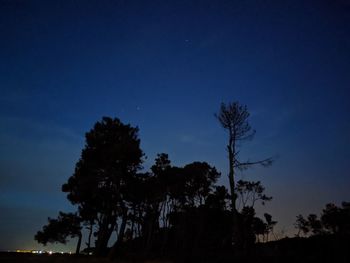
(166, 66)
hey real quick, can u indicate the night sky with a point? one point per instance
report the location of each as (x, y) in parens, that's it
(165, 66)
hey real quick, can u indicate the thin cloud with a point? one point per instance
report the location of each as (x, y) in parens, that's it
(14, 125)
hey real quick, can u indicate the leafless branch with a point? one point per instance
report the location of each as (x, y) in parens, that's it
(245, 165)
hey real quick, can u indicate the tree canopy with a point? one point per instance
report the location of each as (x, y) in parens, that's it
(67, 225)
(111, 156)
(169, 210)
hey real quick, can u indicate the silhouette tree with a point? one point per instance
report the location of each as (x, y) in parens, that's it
(302, 225)
(173, 205)
(168, 210)
(250, 225)
(248, 193)
(233, 117)
(255, 227)
(259, 228)
(336, 219)
(333, 220)
(315, 224)
(67, 225)
(270, 224)
(111, 157)
(200, 178)
(219, 199)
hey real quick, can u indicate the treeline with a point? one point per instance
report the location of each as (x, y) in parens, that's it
(169, 211)
(333, 220)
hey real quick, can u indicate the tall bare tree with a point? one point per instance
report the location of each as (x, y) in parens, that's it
(233, 117)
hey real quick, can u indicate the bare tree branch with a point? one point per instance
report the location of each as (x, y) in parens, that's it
(243, 166)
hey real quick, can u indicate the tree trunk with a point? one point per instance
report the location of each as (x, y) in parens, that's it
(237, 238)
(231, 176)
(89, 237)
(133, 221)
(104, 234)
(77, 251)
(122, 228)
(114, 250)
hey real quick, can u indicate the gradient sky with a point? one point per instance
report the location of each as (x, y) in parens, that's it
(166, 66)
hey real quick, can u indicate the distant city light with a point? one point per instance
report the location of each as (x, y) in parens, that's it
(50, 252)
